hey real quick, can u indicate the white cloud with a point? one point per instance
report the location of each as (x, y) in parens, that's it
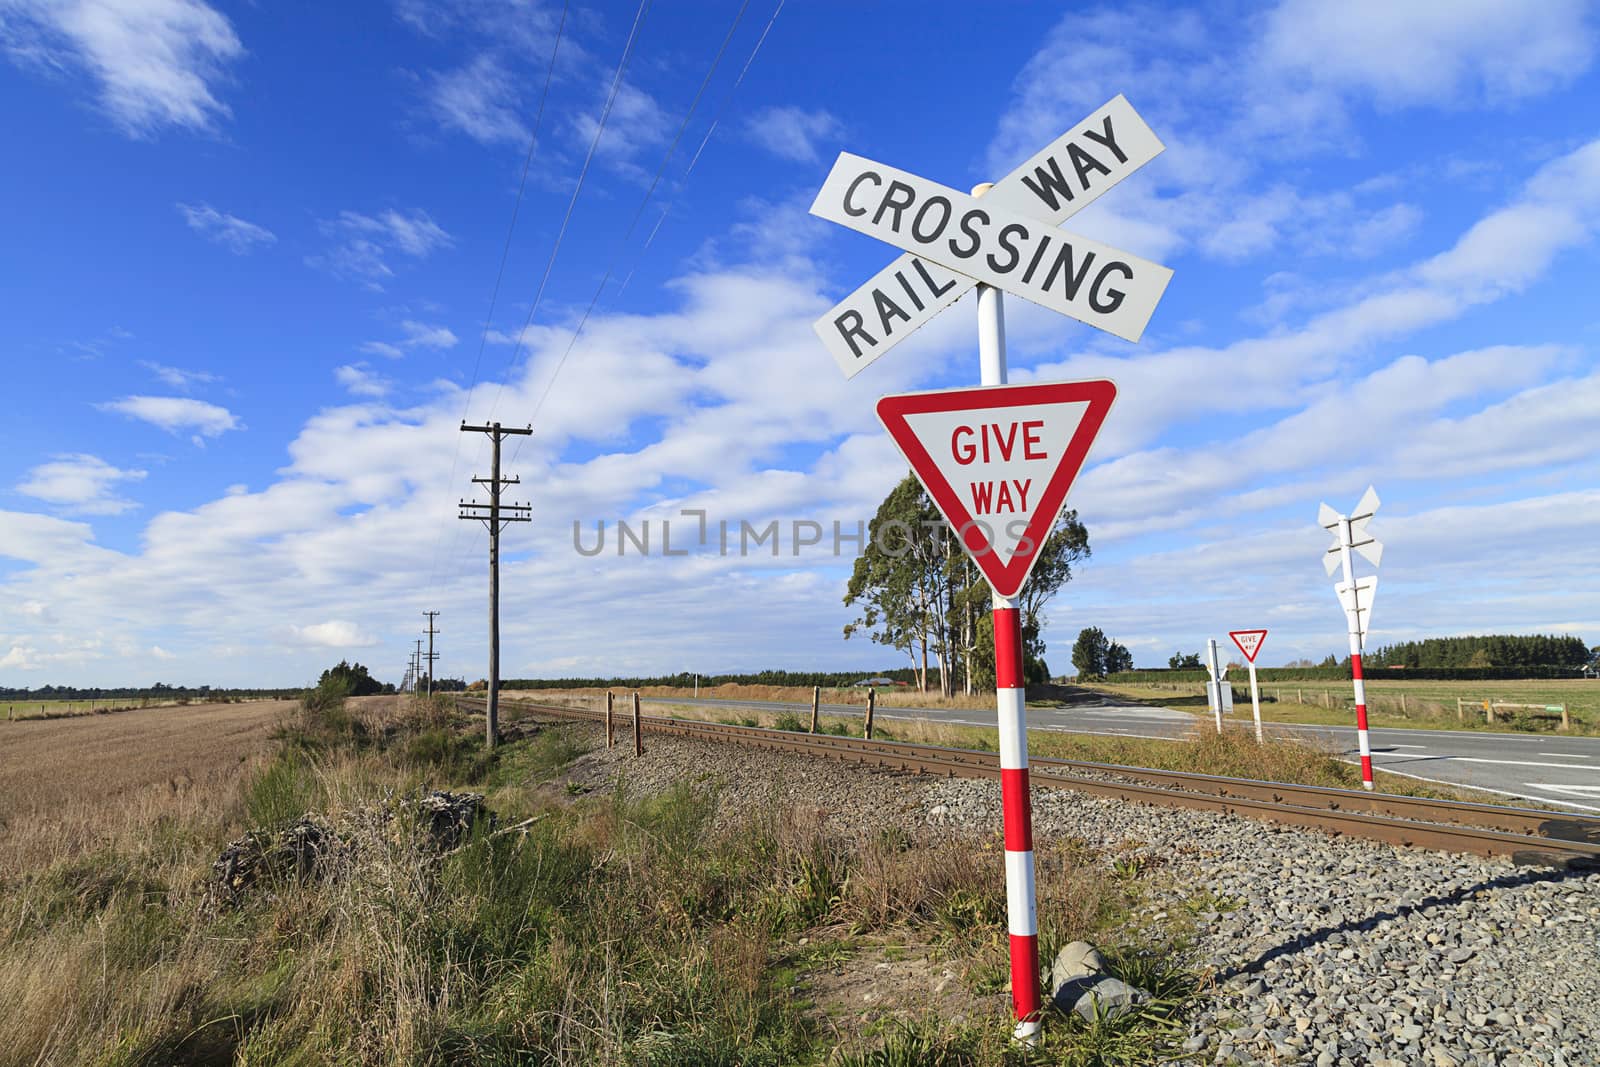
(1410, 53)
(335, 633)
(361, 381)
(1229, 98)
(177, 377)
(80, 483)
(21, 658)
(230, 231)
(160, 653)
(422, 335)
(479, 100)
(635, 123)
(364, 245)
(793, 133)
(175, 414)
(417, 335)
(157, 62)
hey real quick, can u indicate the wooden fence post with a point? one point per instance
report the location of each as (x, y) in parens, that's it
(816, 705)
(638, 728)
(1488, 712)
(1566, 719)
(611, 732)
(1403, 704)
(872, 702)
(1299, 697)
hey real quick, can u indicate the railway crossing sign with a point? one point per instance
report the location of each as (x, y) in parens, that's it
(1249, 642)
(1350, 537)
(999, 462)
(1010, 250)
(1062, 179)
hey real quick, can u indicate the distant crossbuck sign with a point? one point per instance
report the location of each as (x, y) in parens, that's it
(1007, 238)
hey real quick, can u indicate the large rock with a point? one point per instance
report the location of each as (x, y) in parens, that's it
(1074, 961)
(1079, 983)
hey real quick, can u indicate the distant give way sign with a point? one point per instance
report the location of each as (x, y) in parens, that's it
(1249, 641)
(999, 461)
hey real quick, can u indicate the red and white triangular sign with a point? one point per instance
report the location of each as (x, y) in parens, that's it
(1249, 641)
(998, 461)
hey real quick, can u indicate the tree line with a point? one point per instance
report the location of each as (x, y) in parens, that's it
(1489, 650)
(686, 679)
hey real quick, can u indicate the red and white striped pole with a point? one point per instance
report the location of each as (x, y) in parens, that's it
(1354, 620)
(1016, 806)
(1016, 803)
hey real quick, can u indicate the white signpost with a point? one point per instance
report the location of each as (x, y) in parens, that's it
(998, 461)
(1249, 642)
(1355, 596)
(1219, 691)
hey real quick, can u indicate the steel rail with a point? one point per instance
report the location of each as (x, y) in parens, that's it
(1527, 835)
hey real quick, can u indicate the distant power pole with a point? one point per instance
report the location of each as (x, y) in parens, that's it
(416, 658)
(494, 515)
(431, 656)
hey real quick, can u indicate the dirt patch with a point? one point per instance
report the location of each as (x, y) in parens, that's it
(885, 982)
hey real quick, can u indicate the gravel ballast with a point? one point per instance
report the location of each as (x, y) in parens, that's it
(1322, 950)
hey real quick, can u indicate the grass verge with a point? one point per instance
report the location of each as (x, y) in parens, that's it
(618, 929)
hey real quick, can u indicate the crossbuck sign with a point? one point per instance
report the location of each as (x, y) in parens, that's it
(998, 460)
(1008, 239)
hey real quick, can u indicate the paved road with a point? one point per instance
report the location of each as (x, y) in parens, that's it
(1544, 767)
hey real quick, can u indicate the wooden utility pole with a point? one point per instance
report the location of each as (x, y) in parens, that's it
(872, 705)
(610, 725)
(638, 728)
(431, 655)
(416, 668)
(816, 701)
(494, 515)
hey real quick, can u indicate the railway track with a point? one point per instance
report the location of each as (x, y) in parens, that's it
(1528, 835)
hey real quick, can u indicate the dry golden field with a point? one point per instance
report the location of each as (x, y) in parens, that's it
(51, 763)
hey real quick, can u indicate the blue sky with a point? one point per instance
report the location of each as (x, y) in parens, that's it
(250, 256)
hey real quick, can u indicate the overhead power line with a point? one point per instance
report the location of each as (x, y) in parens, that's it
(639, 211)
(499, 276)
(583, 174)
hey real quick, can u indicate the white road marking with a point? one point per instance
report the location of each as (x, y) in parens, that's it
(1489, 789)
(1516, 762)
(1570, 790)
(1567, 755)
(1408, 746)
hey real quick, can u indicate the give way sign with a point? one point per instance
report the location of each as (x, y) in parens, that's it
(998, 462)
(1249, 641)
